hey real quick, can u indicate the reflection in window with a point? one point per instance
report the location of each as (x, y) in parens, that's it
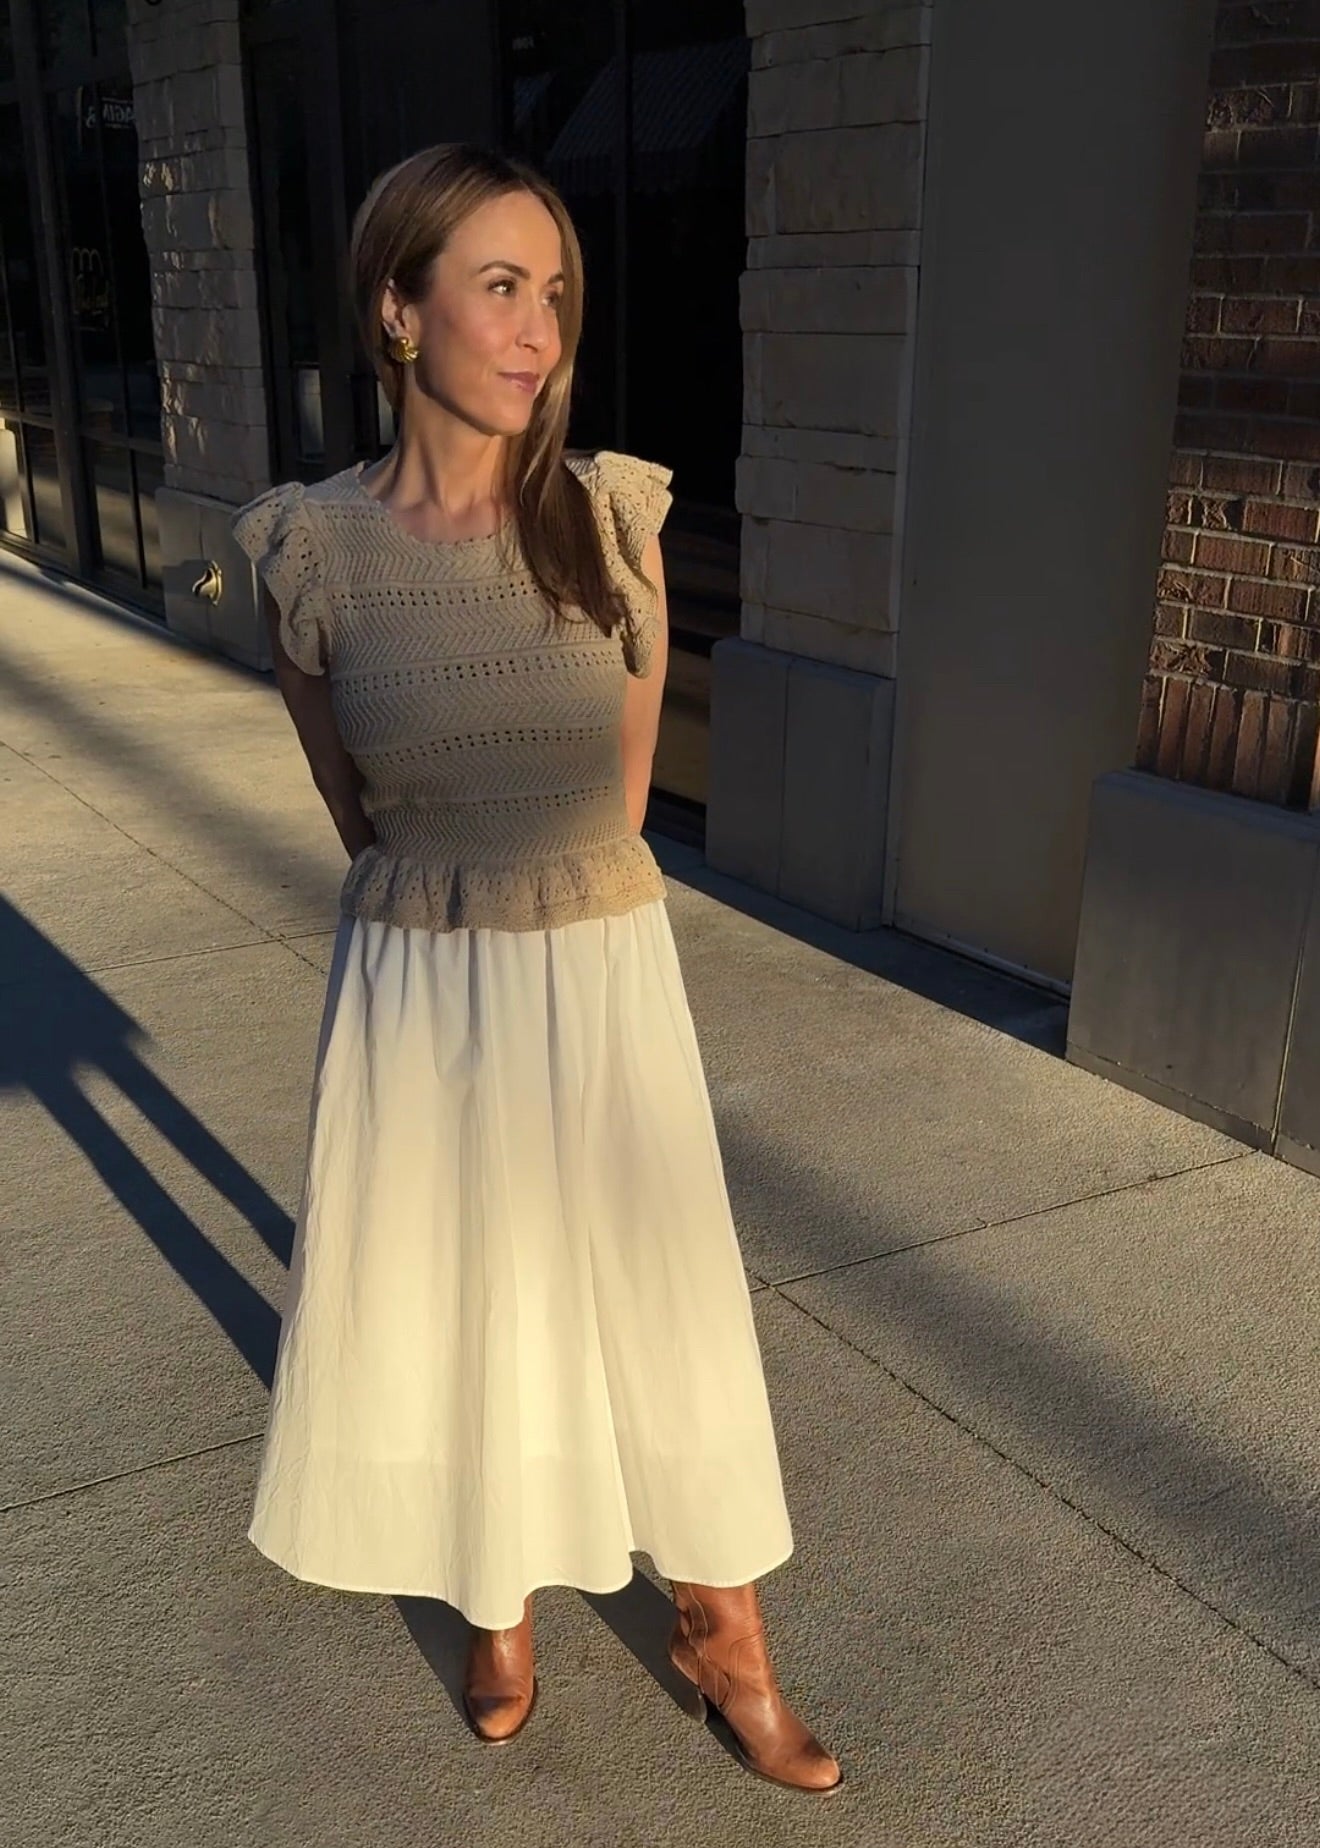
(150, 473)
(14, 522)
(288, 277)
(90, 280)
(66, 31)
(18, 258)
(39, 446)
(112, 478)
(682, 185)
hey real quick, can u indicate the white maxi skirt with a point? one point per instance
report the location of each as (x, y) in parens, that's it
(517, 1342)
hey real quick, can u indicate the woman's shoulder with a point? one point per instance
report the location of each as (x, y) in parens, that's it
(631, 495)
(610, 471)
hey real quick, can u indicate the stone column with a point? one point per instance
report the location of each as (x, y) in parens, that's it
(186, 62)
(802, 703)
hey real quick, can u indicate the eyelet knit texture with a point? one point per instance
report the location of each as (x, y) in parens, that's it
(486, 729)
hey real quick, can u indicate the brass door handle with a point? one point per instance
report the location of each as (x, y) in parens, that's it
(210, 585)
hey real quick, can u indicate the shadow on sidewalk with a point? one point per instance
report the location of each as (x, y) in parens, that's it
(1010, 1005)
(166, 779)
(56, 1024)
(1237, 1529)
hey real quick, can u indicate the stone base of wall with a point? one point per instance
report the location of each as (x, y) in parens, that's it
(799, 779)
(1198, 962)
(195, 537)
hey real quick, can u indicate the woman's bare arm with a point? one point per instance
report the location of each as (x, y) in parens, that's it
(336, 776)
(641, 706)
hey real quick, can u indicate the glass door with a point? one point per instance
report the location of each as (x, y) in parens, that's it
(80, 442)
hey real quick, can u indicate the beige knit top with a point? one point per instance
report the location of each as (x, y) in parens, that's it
(486, 730)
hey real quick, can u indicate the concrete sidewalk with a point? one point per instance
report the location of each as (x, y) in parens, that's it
(1043, 1358)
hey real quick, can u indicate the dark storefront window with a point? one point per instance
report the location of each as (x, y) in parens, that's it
(636, 109)
(80, 448)
(115, 377)
(31, 513)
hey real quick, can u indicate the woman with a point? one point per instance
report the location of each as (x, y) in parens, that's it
(518, 1343)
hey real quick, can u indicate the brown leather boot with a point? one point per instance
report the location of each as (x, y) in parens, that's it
(719, 1645)
(499, 1686)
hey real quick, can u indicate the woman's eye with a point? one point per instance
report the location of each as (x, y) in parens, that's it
(505, 282)
(555, 302)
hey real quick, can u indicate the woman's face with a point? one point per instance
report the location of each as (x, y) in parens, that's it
(488, 326)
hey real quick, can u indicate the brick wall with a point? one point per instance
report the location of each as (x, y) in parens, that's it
(1232, 700)
(197, 217)
(834, 163)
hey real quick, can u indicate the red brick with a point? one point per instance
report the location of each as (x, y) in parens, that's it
(1266, 397)
(1221, 629)
(1219, 149)
(1199, 587)
(1270, 233)
(1309, 323)
(1255, 108)
(1290, 439)
(1295, 564)
(1239, 275)
(1293, 359)
(1185, 471)
(1275, 21)
(1255, 315)
(1277, 756)
(1240, 475)
(1286, 276)
(1178, 509)
(1212, 353)
(1294, 146)
(1304, 398)
(1285, 602)
(1301, 482)
(1293, 641)
(1236, 191)
(1304, 102)
(1169, 618)
(1243, 557)
(1173, 726)
(1196, 737)
(1196, 391)
(1168, 656)
(1203, 316)
(1212, 430)
(1245, 776)
(1216, 513)
(1258, 674)
(1280, 521)
(1223, 738)
(1294, 192)
(1236, 66)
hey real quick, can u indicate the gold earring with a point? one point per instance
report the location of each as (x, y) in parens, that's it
(404, 351)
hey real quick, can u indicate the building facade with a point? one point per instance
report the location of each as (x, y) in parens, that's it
(981, 341)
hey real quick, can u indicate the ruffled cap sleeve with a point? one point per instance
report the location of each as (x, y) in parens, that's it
(277, 533)
(631, 498)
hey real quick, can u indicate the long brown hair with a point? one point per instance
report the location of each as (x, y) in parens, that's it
(402, 225)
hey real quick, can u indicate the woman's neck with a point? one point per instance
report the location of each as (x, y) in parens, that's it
(442, 479)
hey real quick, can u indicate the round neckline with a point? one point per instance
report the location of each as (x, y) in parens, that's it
(427, 545)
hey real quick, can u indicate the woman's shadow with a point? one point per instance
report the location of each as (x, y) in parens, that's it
(57, 1025)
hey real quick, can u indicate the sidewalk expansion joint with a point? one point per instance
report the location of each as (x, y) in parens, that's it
(123, 1475)
(1295, 1669)
(1012, 1219)
(263, 934)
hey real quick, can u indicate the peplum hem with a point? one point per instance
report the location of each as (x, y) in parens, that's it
(415, 893)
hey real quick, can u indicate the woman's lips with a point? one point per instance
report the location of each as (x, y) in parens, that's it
(524, 381)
